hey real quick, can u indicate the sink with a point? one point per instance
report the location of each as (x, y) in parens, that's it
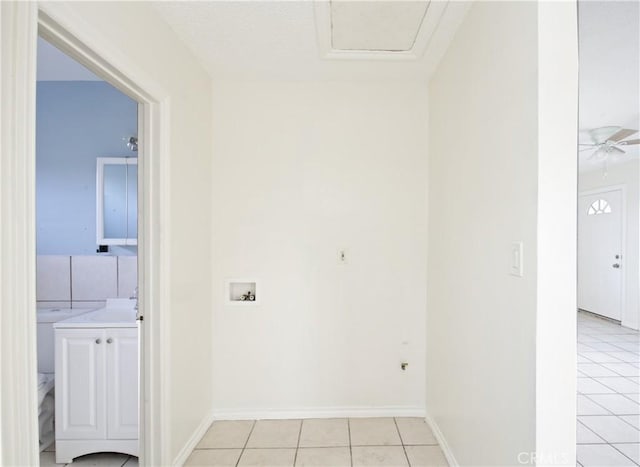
(106, 315)
(117, 313)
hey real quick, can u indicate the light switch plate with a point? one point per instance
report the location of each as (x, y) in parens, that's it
(515, 268)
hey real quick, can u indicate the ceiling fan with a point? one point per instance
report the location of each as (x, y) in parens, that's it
(609, 140)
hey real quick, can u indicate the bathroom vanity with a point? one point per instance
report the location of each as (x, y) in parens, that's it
(96, 377)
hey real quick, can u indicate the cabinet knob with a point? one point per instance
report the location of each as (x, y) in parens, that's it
(109, 341)
(98, 341)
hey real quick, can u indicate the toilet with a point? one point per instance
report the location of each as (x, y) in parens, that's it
(46, 367)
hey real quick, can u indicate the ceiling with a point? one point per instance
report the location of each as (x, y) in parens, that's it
(384, 40)
(54, 65)
(282, 40)
(609, 71)
(376, 26)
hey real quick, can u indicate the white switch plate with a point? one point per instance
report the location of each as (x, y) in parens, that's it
(515, 268)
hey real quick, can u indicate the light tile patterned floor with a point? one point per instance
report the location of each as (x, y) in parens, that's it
(337, 442)
(608, 427)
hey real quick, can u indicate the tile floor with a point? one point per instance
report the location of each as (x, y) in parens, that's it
(608, 427)
(102, 459)
(337, 442)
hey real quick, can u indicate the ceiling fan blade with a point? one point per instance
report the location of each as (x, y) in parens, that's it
(602, 134)
(629, 142)
(622, 134)
(590, 148)
(616, 149)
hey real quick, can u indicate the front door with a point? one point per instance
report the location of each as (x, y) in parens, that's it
(600, 262)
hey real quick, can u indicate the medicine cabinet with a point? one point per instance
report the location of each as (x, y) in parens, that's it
(117, 201)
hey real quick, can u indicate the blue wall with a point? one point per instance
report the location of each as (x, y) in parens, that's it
(77, 121)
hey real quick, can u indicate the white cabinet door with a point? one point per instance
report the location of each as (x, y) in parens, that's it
(80, 377)
(122, 383)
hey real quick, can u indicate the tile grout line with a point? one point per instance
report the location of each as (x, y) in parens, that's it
(70, 282)
(295, 456)
(246, 442)
(613, 446)
(615, 344)
(628, 423)
(589, 429)
(395, 422)
(608, 387)
(342, 446)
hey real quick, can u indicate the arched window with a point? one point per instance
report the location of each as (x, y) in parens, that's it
(600, 206)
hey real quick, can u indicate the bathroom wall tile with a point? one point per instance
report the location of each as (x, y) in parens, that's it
(45, 304)
(53, 278)
(94, 277)
(88, 304)
(127, 275)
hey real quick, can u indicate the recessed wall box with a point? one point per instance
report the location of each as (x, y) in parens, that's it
(241, 292)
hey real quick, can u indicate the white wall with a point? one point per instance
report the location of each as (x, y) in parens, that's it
(555, 363)
(626, 174)
(137, 35)
(301, 170)
(485, 186)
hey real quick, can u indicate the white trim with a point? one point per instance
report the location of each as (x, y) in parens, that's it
(429, 25)
(442, 441)
(622, 188)
(18, 367)
(193, 441)
(318, 412)
(100, 163)
(72, 35)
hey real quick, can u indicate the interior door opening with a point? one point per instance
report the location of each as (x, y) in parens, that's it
(608, 316)
(87, 217)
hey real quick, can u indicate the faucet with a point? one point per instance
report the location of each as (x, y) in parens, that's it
(134, 296)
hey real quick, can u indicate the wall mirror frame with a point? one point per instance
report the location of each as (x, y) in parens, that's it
(117, 201)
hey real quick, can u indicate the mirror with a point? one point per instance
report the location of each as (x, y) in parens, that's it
(117, 201)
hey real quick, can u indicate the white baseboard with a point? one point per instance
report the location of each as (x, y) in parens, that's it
(193, 441)
(318, 412)
(442, 441)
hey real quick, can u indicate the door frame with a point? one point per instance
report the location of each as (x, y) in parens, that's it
(20, 24)
(623, 239)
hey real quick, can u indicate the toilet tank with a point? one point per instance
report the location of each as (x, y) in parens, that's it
(46, 344)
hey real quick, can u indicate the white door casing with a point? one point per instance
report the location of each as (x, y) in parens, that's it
(18, 368)
(600, 251)
(20, 22)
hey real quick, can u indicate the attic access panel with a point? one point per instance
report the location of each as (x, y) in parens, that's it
(376, 26)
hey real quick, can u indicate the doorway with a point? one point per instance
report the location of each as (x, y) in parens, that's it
(601, 218)
(608, 317)
(86, 265)
(20, 27)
